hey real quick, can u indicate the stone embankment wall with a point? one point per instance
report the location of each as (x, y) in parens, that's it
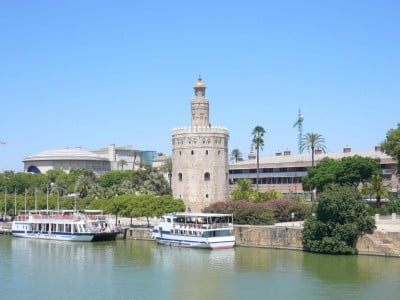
(378, 243)
(268, 236)
(138, 234)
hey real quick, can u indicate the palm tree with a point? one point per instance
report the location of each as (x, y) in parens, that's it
(59, 188)
(122, 163)
(83, 185)
(258, 141)
(242, 189)
(135, 153)
(377, 187)
(167, 168)
(236, 155)
(311, 141)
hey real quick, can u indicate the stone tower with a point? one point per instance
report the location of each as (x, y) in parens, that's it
(200, 157)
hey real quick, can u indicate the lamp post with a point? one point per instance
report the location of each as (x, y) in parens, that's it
(15, 201)
(5, 203)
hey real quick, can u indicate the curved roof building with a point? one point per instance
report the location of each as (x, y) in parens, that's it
(66, 160)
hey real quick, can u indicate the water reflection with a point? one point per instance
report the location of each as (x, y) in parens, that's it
(352, 268)
(34, 269)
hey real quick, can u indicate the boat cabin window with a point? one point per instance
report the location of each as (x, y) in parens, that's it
(169, 220)
(75, 228)
(162, 219)
(180, 220)
(67, 227)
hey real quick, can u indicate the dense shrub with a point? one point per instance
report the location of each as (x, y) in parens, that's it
(341, 216)
(283, 208)
(244, 212)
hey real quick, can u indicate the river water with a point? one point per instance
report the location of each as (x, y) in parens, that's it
(34, 269)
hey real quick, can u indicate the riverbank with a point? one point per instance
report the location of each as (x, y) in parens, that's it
(288, 236)
(385, 241)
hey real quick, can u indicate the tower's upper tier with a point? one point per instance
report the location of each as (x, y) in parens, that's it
(200, 88)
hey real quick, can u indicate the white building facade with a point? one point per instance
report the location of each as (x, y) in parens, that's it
(100, 161)
(200, 157)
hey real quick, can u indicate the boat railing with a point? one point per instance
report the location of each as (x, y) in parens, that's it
(22, 218)
(56, 217)
(97, 217)
(202, 226)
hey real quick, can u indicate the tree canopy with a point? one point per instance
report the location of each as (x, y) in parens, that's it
(341, 217)
(391, 145)
(346, 171)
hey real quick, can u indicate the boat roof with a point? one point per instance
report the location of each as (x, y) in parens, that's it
(93, 211)
(184, 214)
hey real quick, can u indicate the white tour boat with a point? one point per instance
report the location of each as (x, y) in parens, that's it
(65, 225)
(200, 230)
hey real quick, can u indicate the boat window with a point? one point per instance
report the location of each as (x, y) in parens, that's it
(67, 227)
(169, 220)
(53, 227)
(180, 220)
(190, 232)
(162, 219)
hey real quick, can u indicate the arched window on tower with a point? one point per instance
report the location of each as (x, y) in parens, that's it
(180, 176)
(207, 176)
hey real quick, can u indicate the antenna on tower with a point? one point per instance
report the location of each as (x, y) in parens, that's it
(299, 124)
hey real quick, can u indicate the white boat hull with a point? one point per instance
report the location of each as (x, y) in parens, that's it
(194, 242)
(57, 237)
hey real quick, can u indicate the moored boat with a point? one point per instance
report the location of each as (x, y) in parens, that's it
(65, 225)
(198, 230)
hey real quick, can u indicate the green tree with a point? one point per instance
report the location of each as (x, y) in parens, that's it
(258, 141)
(53, 174)
(242, 190)
(272, 195)
(83, 185)
(155, 184)
(152, 206)
(115, 178)
(311, 141)
(377, 187)
(117, 205)
(346, 171)
(341, 217)
(391, 145)
(320, 176)
(356, 169)
(236, 155)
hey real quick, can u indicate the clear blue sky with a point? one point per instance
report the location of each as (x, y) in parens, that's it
(91, 73)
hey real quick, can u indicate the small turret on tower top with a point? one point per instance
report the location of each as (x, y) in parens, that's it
(200, 106)
(200, 88)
